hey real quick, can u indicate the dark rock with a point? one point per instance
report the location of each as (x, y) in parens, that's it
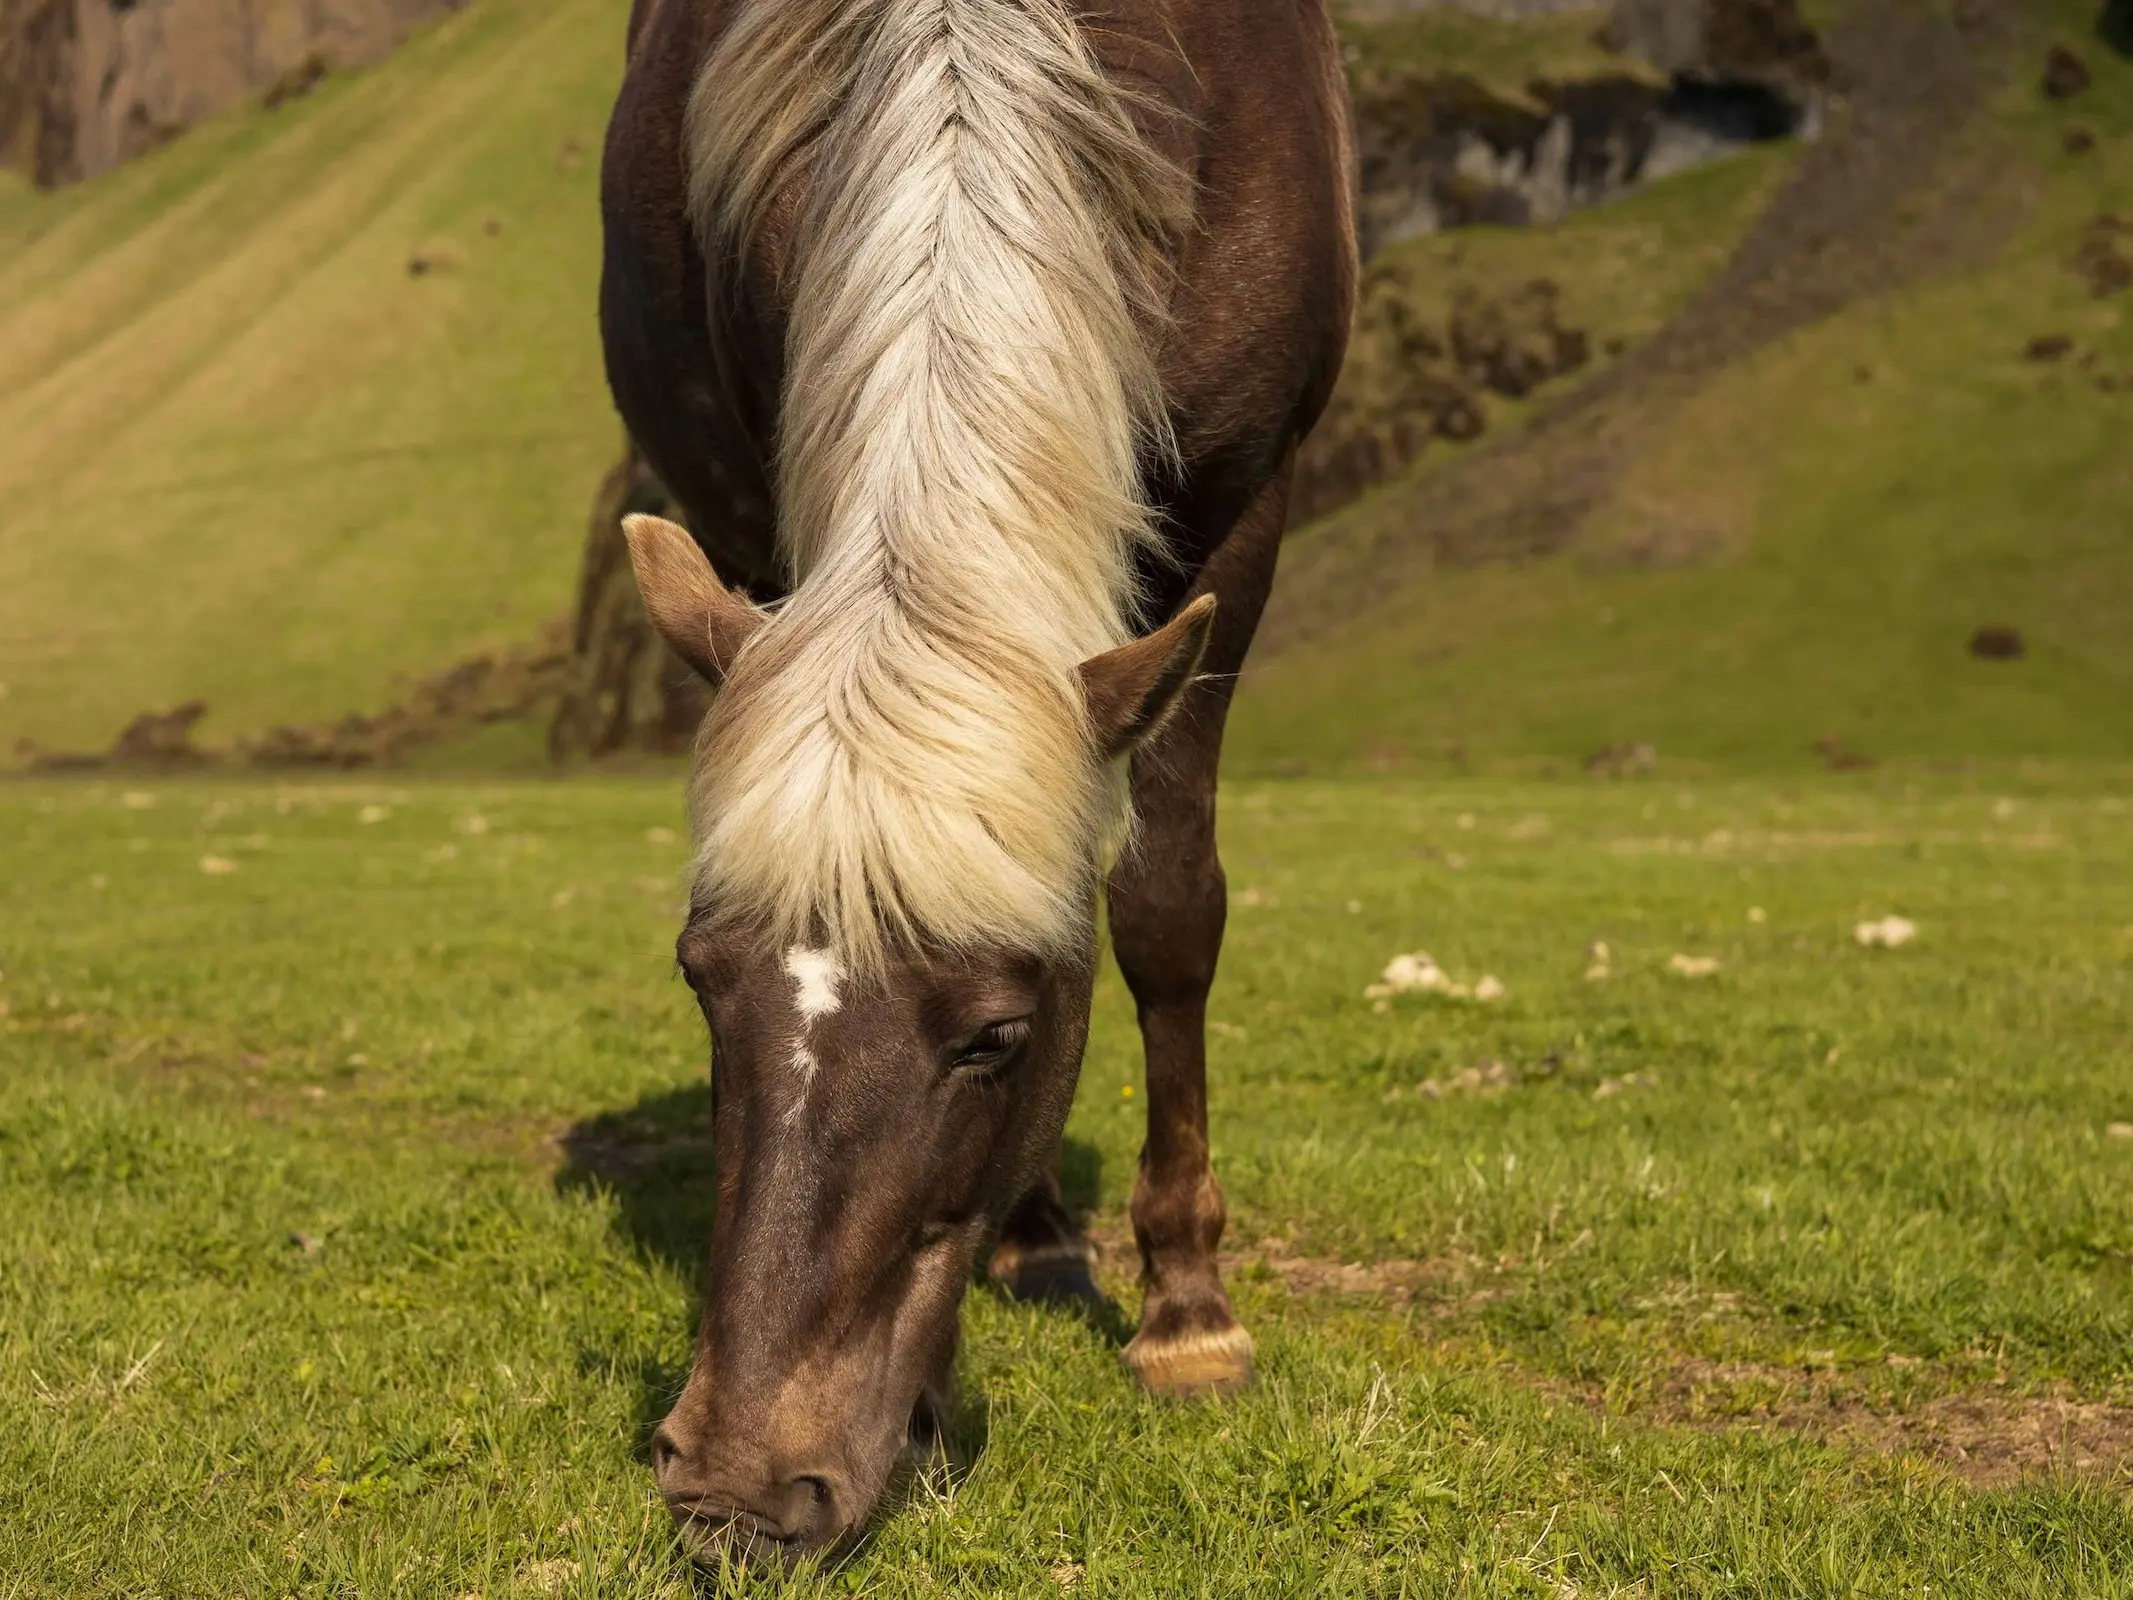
(1764, 41)
(1997, 644)
(2048, 347)
(2077, 141)
(1441, 150)
(161, 738)
(622, 690)
(88, 84)
(505, 685)
(2065, 75)
(296, 83)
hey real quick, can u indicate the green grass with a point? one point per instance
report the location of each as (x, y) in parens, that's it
(1692, 1243)
(244, 455)
(373, 1034)
(1502, 55)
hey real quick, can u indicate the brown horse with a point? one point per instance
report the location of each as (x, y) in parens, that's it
(981, 332)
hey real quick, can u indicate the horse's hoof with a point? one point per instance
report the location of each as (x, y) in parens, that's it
(1051, 1274)
(1194, 1365)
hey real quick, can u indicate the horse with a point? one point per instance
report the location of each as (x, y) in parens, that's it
(974, 340)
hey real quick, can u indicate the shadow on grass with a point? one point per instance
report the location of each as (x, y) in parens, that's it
(656, 1159)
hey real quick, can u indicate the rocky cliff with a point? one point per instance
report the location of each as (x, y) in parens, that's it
(88, 84)
(1690, 81)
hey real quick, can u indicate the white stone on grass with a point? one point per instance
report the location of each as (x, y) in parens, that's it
(1692, 966)
(1417, 972)
(1887, 932)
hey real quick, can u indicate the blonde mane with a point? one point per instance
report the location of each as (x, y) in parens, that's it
(902, 751)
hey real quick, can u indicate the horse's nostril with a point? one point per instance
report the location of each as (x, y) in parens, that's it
(664, 1450)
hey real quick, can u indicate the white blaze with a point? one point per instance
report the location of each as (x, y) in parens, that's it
(816, 973)
(815, 976)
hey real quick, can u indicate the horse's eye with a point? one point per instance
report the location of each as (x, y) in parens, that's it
(992, 1044)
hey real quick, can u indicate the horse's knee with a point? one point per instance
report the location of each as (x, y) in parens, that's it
(1166, 927)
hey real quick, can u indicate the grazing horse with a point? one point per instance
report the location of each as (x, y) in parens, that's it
(973, 337)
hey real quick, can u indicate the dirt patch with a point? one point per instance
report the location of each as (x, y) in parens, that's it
(1994, 1442)
(1989, 1440)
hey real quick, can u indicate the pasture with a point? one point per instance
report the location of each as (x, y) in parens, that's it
(355, 1193)
(354, 1178)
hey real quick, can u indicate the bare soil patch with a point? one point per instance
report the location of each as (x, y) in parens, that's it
(1988, 1438)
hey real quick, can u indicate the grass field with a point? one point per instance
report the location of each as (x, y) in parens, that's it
(353, 1187)
(354, 1193)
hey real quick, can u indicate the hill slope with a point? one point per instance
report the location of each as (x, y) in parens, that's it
(246, 451)
(249, 453)
(1735, 559)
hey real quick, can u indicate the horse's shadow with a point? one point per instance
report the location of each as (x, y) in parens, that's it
(655, 1160)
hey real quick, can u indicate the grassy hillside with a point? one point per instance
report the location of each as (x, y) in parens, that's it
(1810, 544)
(245, 453)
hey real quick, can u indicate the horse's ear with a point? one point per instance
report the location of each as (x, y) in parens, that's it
(700, 618)
(1130, 690)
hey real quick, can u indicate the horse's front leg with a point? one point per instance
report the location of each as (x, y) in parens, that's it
(1167, 904)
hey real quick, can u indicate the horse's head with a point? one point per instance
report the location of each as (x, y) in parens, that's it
(874, 1121)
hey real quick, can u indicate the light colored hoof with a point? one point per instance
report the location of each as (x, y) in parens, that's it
(1052, 1274)
(1192, 1364)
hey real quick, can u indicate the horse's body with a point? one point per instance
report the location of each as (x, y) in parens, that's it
(988, 335)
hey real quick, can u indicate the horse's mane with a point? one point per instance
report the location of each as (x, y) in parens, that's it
(973, 273)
